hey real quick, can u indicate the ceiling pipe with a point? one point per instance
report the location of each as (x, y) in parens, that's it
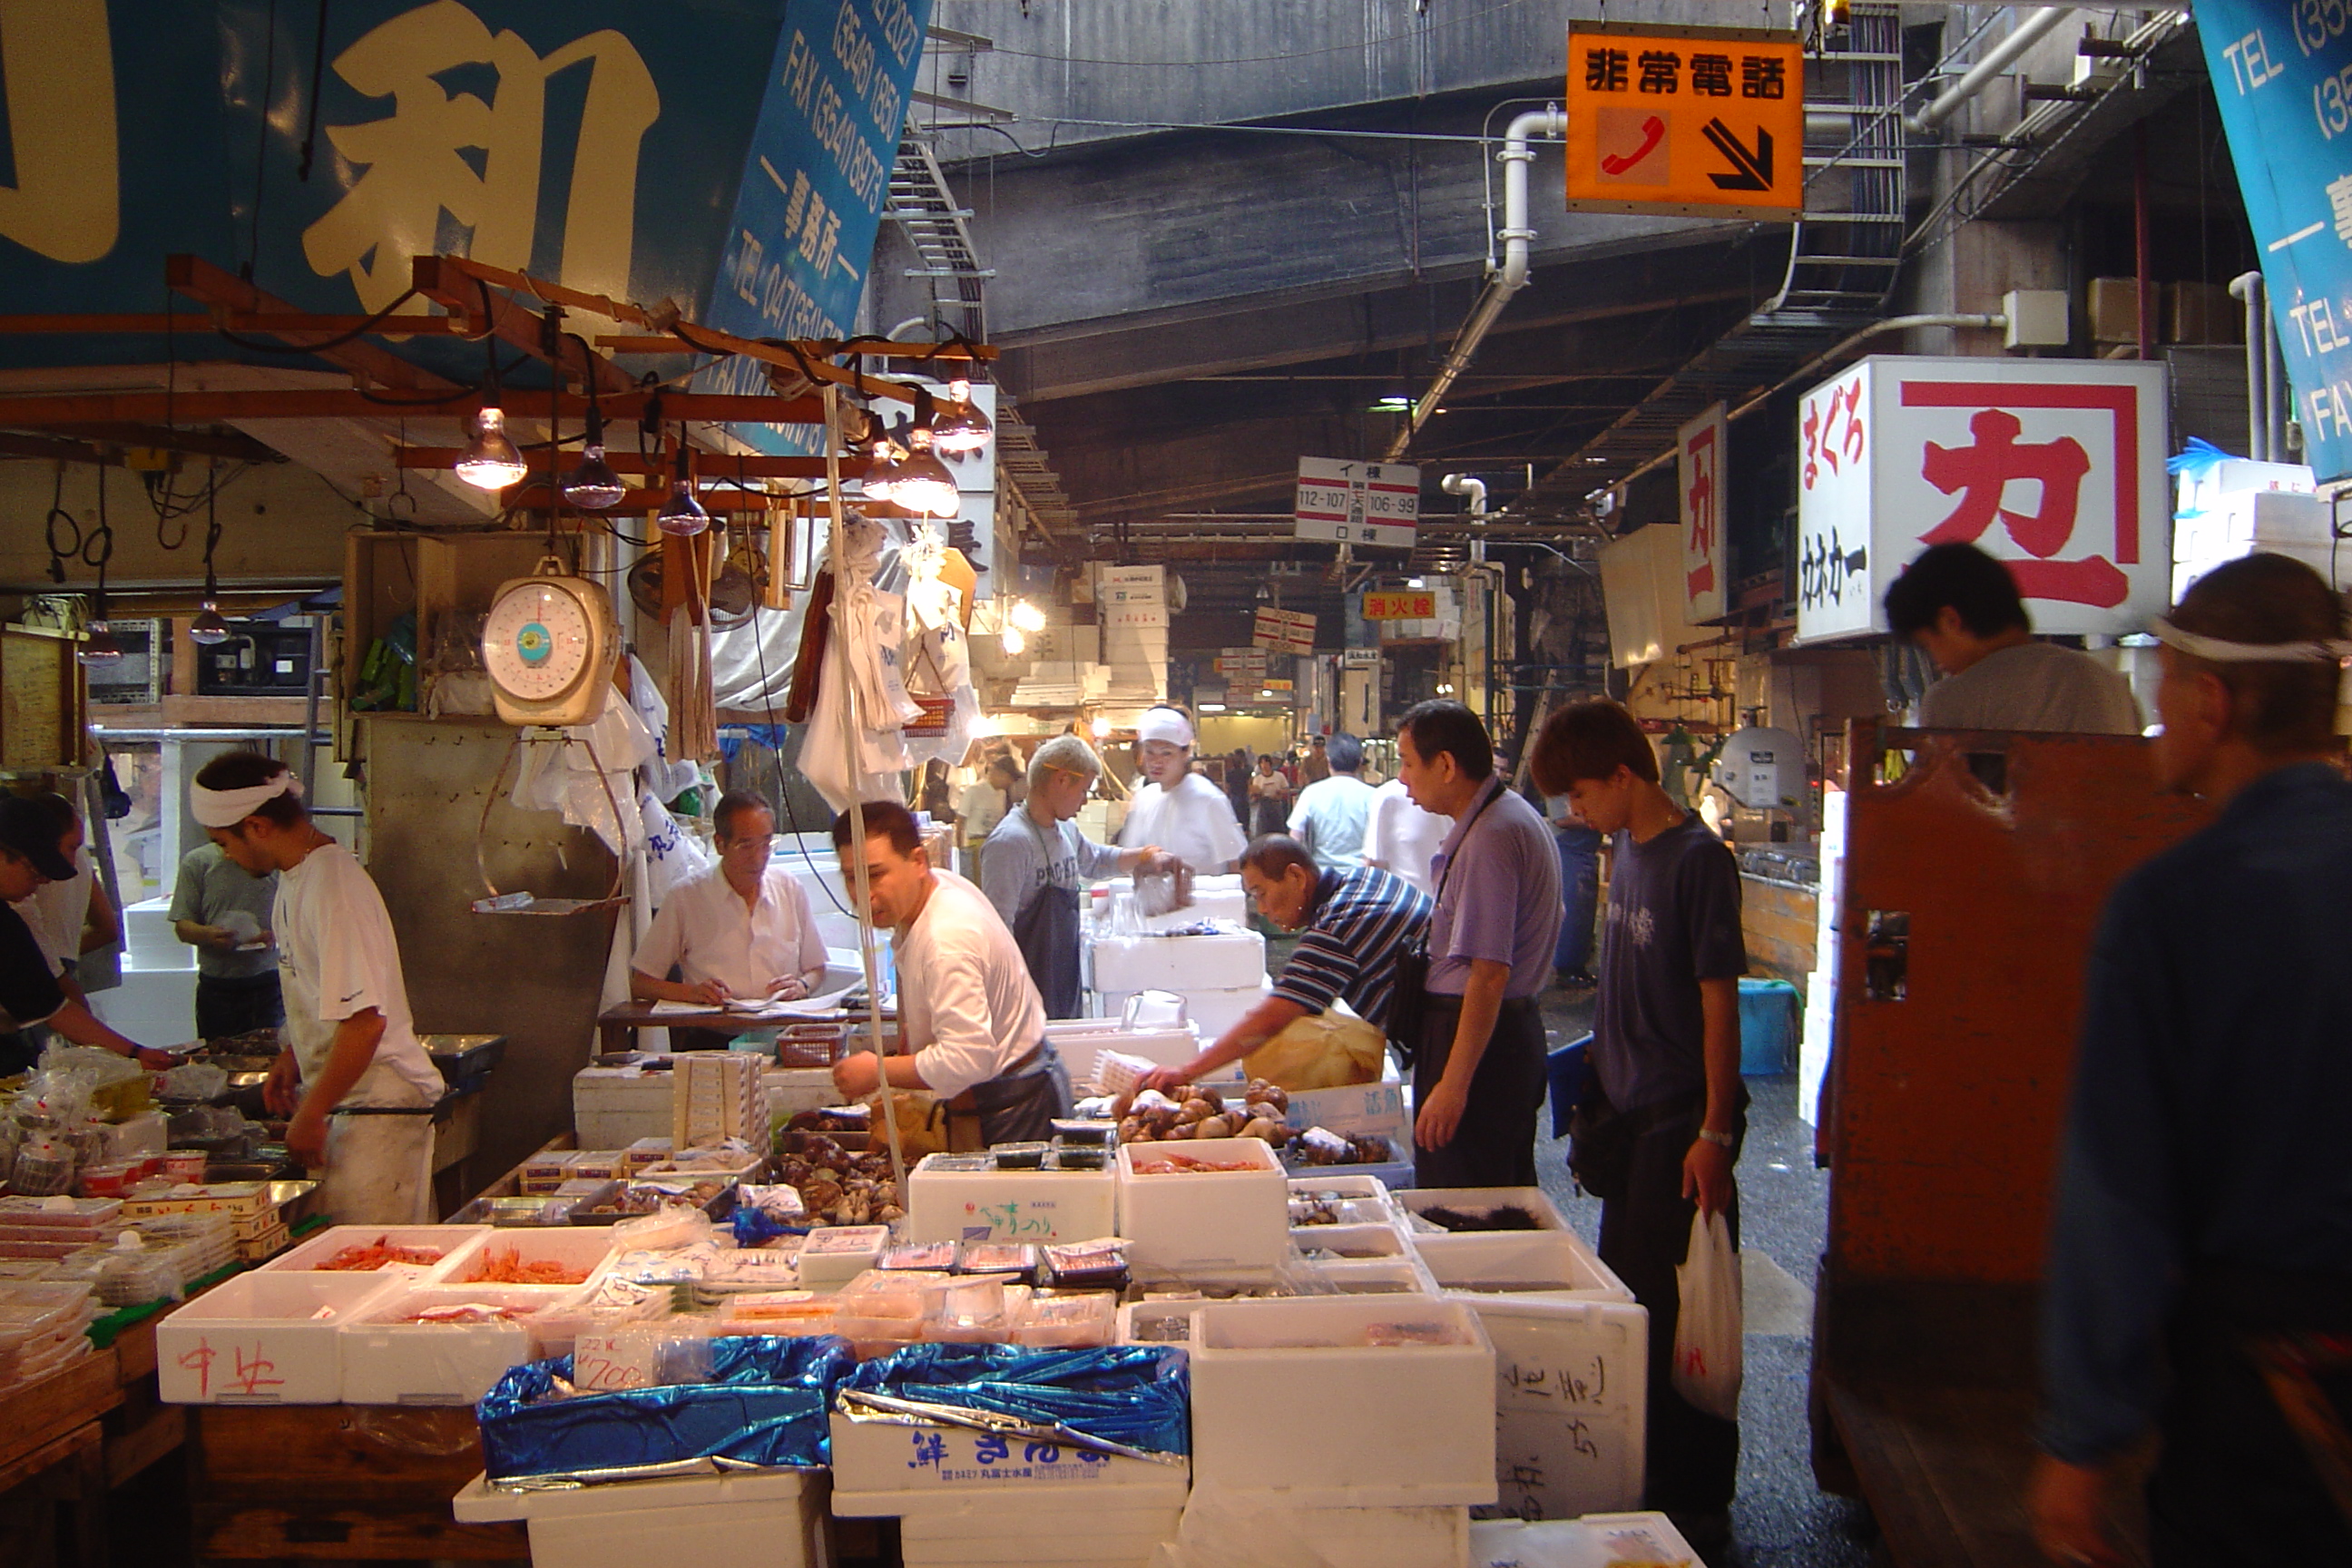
(1466, 485)
(1503, 281)
(2247, 288)
(1997, 59)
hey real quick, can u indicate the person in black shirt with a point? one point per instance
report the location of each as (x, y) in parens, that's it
(29, 992)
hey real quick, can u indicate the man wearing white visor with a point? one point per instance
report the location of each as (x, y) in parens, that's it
(1180, 813)
(354, 1078)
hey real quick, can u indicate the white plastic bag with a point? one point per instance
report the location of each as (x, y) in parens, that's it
(1706, 1330)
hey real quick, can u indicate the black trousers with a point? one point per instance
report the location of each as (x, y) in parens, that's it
(225, 1007)
(1495, 1145)
(2234, 1484)
(1693, 1457)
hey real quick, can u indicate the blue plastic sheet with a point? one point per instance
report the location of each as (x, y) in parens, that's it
(1136, 1395)
(767, 1405)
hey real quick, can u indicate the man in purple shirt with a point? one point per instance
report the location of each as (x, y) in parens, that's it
(1478, 1074)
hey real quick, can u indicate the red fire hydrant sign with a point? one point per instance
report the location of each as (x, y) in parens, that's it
(2056, 467)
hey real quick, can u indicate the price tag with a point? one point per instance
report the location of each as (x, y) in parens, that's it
(606, 1361)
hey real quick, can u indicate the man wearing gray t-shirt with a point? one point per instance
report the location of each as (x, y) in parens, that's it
(1962, 608)
(223, 910)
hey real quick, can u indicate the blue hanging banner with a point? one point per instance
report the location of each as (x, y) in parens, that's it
(647, 150)
(2282, 76)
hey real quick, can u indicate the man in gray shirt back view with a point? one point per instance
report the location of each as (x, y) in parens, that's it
(1962, 608)
(236, 958)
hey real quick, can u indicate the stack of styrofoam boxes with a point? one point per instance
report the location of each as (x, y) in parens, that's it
(1394, 1439)
(717, 1096)
(1571, 1354)
(2217, 516)
(762, 1518)
(1131, 608)
(388, 1360)
(967, 1499)
(1083, 1042)
(1176, 1221)
(1595, 1538)
(1372, 1254)
(1362, 1109)
(944, 1204)
(614, 1107)
(264, 1338)
(259, 1230)
(1213, 898)
(1221, 974)
(42, 1325)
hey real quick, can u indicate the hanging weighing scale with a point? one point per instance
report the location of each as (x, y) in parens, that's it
(550, 645)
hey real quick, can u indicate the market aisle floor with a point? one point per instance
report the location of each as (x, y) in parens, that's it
(1779, 1520)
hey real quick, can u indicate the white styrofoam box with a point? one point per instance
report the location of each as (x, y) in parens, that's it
(1009, 1206)
(1210, 1013)
(1350, 1243)
(1378, 1276)
(1571, 1381)
(1391, 1425)
(263, 1339)
(1592, 1541)
(1204, 1219)
(1341, 1185)
(1430, 1537)
(582, 1249)
(389, 1361)
(838, 1254)
(1083, 1547)
(311, 1256)
(1218, 961)
(887, 1462)
(1485, 1200)
(751, 1519)
(1213, 898)
(1152, 1322)
(1556, 1264)
(612, 1107)
(2248, 519)
(1081, 1041)
(985, 1519)
(2238, 476)
(1358, 1110)
(792, 1091)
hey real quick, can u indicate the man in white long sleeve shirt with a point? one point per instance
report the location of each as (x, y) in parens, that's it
(1180, 811)
(972, 1024)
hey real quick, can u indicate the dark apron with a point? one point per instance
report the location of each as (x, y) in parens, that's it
(1047, 934)
(1017, 1107)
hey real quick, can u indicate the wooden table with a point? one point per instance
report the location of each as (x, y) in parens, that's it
(617, 1027)
(53, 1453)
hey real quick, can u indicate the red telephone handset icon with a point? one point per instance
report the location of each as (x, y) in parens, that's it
(1653, 130)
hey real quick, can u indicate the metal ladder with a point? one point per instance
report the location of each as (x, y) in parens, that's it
(933, 222)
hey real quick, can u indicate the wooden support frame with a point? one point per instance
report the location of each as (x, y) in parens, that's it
(200, 280)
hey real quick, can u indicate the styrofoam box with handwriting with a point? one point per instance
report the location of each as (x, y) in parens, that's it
(1554, 1264)
(264, 1339)
(1009, 1206)
(1571, 1380)
(389, 1361)
(1219, 962)
(1405, 1422)
(314, 1255)
(880, 1461)
(1192, 1219)
(761, 1518)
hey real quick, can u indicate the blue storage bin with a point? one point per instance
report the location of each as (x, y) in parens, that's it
(1767, 1027)
(1564, 1071)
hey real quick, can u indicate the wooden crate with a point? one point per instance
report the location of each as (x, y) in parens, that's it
(44, 702)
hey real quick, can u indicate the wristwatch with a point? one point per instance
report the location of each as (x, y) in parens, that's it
(1720, 1139)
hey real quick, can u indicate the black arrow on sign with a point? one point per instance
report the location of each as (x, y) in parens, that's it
(1755, 169)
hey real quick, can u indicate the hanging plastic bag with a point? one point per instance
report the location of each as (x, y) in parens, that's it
(1707, 1368)
(1322, 1050)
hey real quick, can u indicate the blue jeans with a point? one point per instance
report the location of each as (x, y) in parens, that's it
(1580, 888)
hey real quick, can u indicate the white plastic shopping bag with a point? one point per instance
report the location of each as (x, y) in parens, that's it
(1706, 1330)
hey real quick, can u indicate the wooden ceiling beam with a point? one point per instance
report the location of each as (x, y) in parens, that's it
(227, 294)
(716, 465)
(41, 412)
(465, 288)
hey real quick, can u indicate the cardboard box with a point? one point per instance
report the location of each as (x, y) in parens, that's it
(2114, 310)
(2202, 313)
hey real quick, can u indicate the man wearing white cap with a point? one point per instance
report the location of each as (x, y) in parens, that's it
(1178, 811)
(354, 1078)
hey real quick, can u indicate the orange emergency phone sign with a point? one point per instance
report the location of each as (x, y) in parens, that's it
(1685, 121)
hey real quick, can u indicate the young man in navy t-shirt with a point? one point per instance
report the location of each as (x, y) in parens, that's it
(1666, 1058)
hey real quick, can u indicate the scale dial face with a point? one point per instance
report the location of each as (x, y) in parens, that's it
(537, 641)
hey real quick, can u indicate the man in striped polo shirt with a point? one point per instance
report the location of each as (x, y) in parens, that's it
(1356, 921)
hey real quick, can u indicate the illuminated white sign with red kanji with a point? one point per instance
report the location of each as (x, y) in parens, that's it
(2056, 467)
(1699, 448)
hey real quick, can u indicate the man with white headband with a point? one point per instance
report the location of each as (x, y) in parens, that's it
(1178, 811)
(2204, 1204)
(354, 1078)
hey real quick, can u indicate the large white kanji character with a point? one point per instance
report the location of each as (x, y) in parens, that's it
(813, 230)
(2339, 198)
(796, 205)
(415, 167)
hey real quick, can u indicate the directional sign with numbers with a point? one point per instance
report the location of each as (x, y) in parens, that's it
(1358, 503)
(1690, 121)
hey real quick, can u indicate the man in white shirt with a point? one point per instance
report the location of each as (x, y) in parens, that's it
(969, 1014)
(1400, 837)
(354, 1078)
(987, 801)
(73, 916)
(1180, 811)
(743, 929)
(1334, 812)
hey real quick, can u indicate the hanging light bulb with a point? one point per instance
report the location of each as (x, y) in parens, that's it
(1102, 728)
(594, 486)
(682, 514)
(961, 429)
(1015, 642)
(881, 476)
(208, 627)
(1026, 616)
(490, 461)
(101, 649)
(924, 484)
